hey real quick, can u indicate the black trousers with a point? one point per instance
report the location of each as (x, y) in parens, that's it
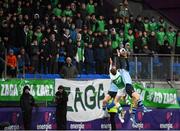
(27, 117)
(52, 66)
(11, 72)
(61, 119)
(112, 120)
(43, 65)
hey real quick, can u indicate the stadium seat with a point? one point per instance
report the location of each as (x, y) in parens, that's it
(132, 67)
(176, 68)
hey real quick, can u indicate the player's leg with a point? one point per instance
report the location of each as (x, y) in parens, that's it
(141, 105)
(139, 102)
(104, 105)
(105, 101)
(127, 79)
(121, 93)
(134, 97)
(136, 102)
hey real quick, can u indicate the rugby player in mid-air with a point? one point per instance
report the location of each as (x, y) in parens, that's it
(126, 78)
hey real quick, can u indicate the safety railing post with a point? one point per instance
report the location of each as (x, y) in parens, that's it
(172, 68)
(136, 68)
(5, 65)
(151, 68)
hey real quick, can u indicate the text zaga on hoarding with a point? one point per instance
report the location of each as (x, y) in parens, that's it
(88, 98)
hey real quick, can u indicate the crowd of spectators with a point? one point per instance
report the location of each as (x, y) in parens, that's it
(39, 35)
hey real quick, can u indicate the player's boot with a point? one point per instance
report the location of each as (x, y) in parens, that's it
(122, 116)
(140, 104)
(105, 114)
(145, 109)
(134, 124)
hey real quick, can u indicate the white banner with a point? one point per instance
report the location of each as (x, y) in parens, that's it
(85, 98)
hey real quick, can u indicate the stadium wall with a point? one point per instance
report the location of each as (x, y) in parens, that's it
(84, 106)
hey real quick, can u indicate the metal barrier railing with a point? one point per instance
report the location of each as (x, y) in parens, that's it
(161, 67)
(155, 67)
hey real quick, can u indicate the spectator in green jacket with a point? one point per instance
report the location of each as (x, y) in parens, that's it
(146, 24)
(93, 23)
(57, 11)
(170, 36)
(67, 11)
(19, 8)
(115, 39)
(38, 34)
(127, 25)
(100, 24)
(121, 37)
(130, 38)
(90, 8)
(145, 38)
(153, 25)
(30, 34)
(160, 36)
(79, 55)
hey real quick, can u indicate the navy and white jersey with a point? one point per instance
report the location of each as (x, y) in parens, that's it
(123, 63)
(113, 87)
(125, 76)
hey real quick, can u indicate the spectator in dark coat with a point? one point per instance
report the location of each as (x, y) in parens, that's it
(105, 35)
(110, 25)
(85, 36)
(82, 11)
(177, 44)
(61, 100)
(13, 34)
(166, 48)
(99, 58)
(137, 47)
(70, 49)
(69, 70)
(62, 56)
(36, 20)
(23, 61)
(26, 103)
(66, 36)
(152, 43)
(2, 57)
(97, 39)
(22, 36)
(73, 33)
(34, 53)
(121, 24)
(107, 56)
(89, 58)
(139, 24)
(53, 56)
(27, 9)
(78, 21)
(44, 56)
(87, 22)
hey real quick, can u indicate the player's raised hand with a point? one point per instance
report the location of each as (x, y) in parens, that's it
(118, 52)
(110, 61)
